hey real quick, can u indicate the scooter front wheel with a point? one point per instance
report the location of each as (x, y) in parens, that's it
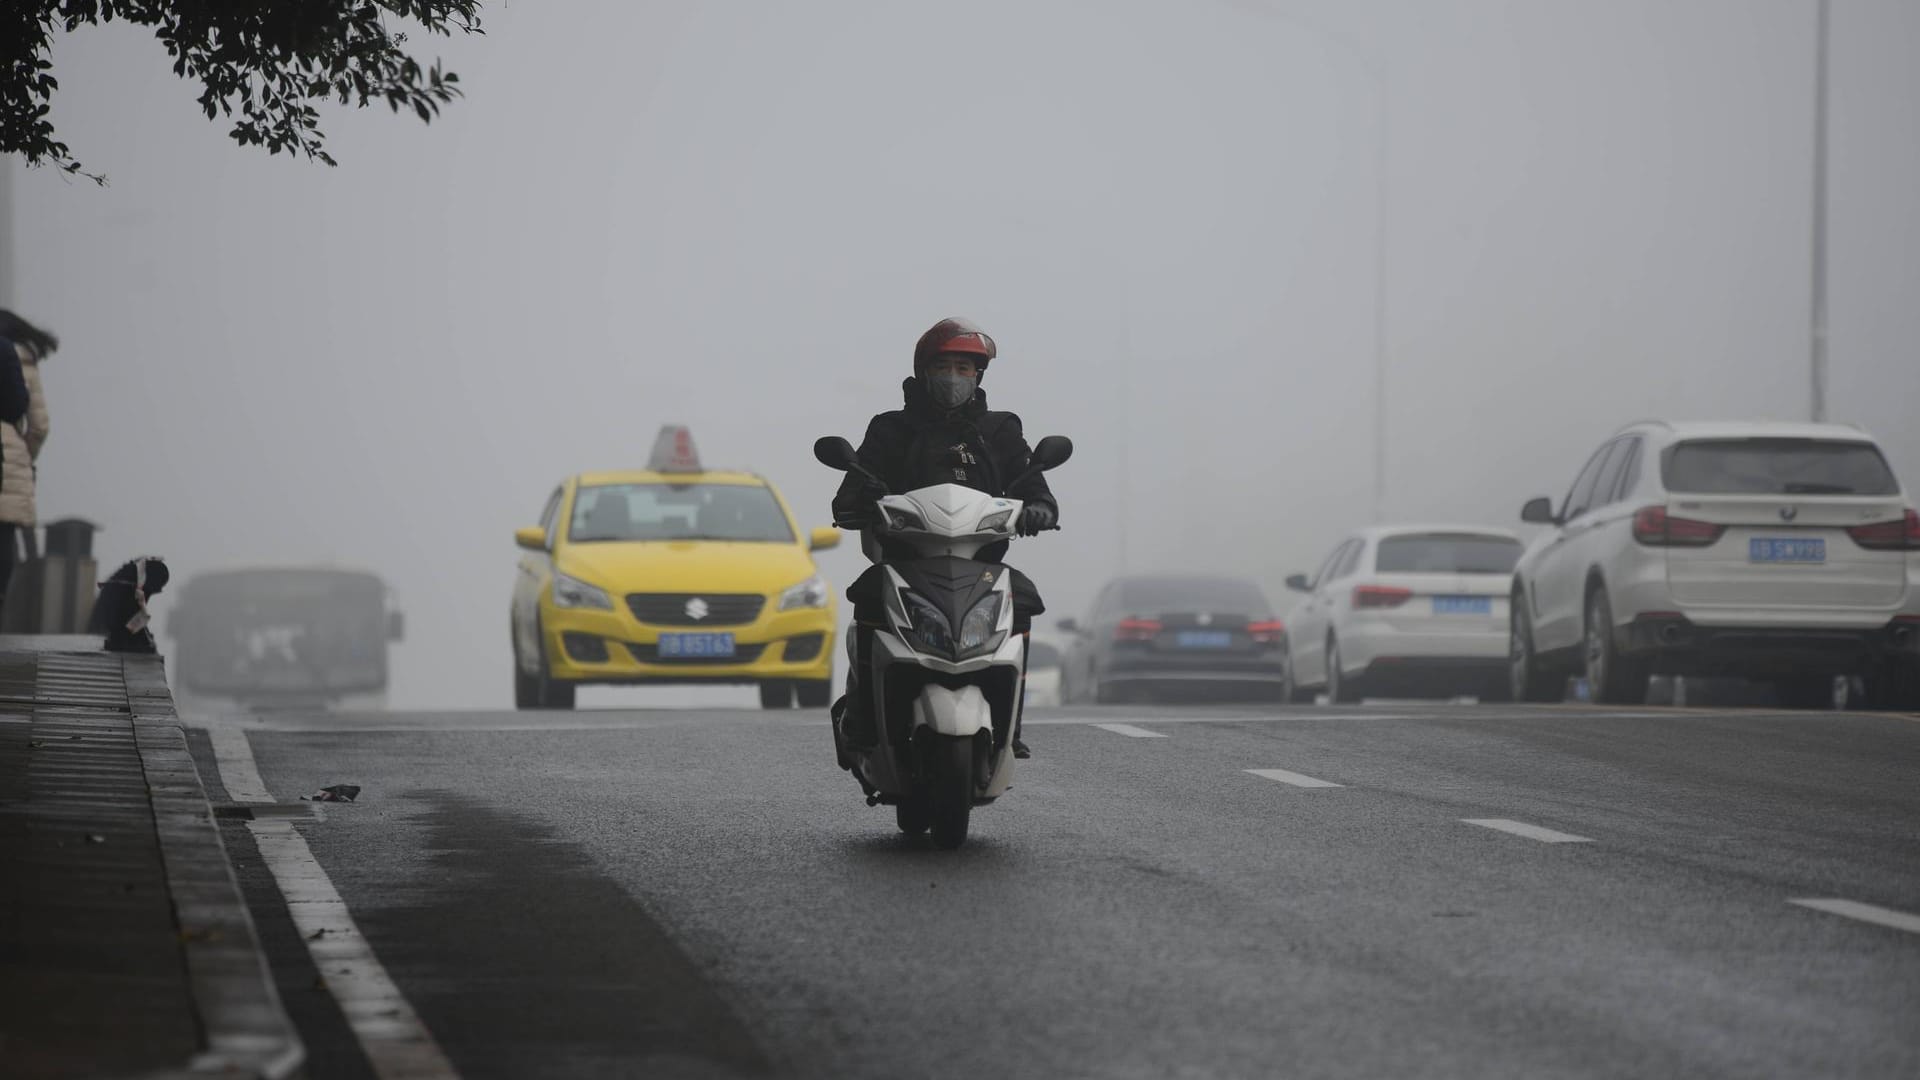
(950, 789)
(912, 816)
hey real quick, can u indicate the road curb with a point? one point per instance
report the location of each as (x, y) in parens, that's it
(245, 1030)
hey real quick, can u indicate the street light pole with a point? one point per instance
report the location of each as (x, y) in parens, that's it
(1819, 360)
(1380, 307)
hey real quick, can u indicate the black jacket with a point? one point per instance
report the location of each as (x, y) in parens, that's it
(921, 445)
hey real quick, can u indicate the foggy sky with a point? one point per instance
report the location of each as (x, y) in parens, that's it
(740, 217)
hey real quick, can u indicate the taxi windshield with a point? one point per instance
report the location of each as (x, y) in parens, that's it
(629, 512)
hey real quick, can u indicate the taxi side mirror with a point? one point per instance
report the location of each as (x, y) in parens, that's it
(823, 538)
(532, 538)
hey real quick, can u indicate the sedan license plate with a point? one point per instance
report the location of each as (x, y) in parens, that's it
(1767, 550)
(686, 646)
(1204, 639)
(1463, 605)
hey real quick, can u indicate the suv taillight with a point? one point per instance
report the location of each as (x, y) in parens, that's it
(1654, 526)
(1901, 534)
(1380, 596)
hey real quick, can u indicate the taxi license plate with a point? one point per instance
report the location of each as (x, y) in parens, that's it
(1768, 550)
(685, 646)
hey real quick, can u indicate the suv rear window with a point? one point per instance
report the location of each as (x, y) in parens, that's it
(1447, 553)
(1777, 467)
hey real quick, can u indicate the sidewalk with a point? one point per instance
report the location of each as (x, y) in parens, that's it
(125, 947)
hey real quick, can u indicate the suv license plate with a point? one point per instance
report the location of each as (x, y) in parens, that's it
(1769, 550)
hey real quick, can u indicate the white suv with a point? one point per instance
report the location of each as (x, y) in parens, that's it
(1780, 552)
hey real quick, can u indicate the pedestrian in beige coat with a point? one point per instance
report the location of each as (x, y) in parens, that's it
(21, 440)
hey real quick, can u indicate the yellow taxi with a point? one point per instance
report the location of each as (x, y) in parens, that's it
(672, 574)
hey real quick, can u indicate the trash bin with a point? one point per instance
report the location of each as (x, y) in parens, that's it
(53, 594)
(72, 537)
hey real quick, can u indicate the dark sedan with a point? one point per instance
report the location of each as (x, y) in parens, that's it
(1160, 635)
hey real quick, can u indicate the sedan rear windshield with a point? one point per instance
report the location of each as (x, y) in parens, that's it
(1777, 467)
(1447, 553)
(615, 512)
(1220, 596)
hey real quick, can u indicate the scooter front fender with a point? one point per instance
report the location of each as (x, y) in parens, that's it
(961, 712)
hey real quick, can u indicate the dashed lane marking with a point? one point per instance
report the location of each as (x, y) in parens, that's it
(1294, 778)
(1531, 832)
(1130, 731)
(1853, 909)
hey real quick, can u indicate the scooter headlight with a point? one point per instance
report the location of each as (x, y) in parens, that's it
(930, 631)
(979, 631)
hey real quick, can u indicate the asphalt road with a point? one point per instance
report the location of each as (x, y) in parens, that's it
(704, 894)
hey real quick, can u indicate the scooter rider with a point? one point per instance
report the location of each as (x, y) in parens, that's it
(944, 435)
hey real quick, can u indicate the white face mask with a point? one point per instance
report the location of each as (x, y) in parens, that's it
(950, 391)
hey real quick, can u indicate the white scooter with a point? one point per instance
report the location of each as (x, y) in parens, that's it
(943, 678)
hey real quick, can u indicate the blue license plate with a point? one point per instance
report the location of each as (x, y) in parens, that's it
(1204, 639)
(687, 646)
(1763, 549)
(1463, 605)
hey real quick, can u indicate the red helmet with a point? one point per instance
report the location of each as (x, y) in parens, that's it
(954, 336)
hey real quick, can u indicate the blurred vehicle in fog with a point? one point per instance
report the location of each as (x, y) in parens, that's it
(1411, 611)
(1781, 552)
(673, 574)
(1044, 654)
(283, 637)
(1159, 635)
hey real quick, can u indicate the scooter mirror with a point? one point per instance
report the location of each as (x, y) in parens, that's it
(835, 453)
(1052, 452)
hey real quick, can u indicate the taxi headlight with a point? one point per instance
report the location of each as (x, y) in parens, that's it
(571, 592)
(979, 631)
(811, 593)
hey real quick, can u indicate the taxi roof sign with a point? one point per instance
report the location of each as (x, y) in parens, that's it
(673, 451)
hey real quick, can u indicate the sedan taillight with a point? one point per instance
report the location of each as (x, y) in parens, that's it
(1655, 527)
(1137, 630)
(1267, 633)
(1380, 596)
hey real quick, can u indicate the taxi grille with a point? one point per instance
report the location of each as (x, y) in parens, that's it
(679, 609)
(650, 654)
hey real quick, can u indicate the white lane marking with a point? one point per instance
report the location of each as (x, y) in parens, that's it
(1293, 778)
(1531, 832)
(1130, 731)
(237, 769)
(1853, 909)
(396, 1042)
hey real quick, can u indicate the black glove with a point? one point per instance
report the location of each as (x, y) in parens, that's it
(1035, 518)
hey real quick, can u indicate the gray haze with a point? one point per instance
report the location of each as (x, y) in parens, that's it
(740, 217)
